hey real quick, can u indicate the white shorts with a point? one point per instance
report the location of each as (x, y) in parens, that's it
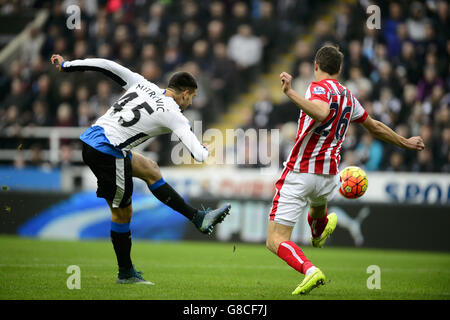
(297, 191)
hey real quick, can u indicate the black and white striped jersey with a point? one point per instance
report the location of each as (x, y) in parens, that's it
(142, 112)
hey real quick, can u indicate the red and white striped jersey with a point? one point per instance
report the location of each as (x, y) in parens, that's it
(317, 146)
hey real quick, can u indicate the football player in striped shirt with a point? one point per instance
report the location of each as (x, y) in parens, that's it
(143, 111)
(310, 177)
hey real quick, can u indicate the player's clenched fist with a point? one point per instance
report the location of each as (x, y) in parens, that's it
(286, 80)
(415, 143)
(56, 58)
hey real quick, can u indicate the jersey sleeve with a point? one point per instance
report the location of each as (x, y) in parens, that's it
(123, 76)
(182, 129)
(317, 91)
(359, 113)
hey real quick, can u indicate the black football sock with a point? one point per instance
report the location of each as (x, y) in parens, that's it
(167, 195)
(121, 240)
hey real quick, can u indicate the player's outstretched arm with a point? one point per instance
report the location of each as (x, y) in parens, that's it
(115, 71)
(179, 125)
(316, 109)
(198, 151)
(382, 132)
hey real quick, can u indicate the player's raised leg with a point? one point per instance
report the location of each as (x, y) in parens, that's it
(121, 240)
(278, 241)
(148, 170)
(321, 224)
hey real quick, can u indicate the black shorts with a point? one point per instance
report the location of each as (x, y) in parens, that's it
(114, 175)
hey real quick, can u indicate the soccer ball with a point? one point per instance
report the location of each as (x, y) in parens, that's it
(353, 182)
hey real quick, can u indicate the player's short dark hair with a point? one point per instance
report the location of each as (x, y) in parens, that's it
(181, 81)
(329, 59)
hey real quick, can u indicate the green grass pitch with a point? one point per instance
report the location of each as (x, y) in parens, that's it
(36, 269)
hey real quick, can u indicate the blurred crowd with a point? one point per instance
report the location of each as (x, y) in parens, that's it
(224, 44)
(400, 73)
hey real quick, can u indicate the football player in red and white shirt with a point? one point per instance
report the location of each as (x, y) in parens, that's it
(310, 177)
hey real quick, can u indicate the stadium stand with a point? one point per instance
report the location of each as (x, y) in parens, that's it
(399, 73)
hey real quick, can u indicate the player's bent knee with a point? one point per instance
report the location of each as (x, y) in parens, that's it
(272, 243)
(152, 172)
(145, 169)
(121, 215)
(277, 233)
